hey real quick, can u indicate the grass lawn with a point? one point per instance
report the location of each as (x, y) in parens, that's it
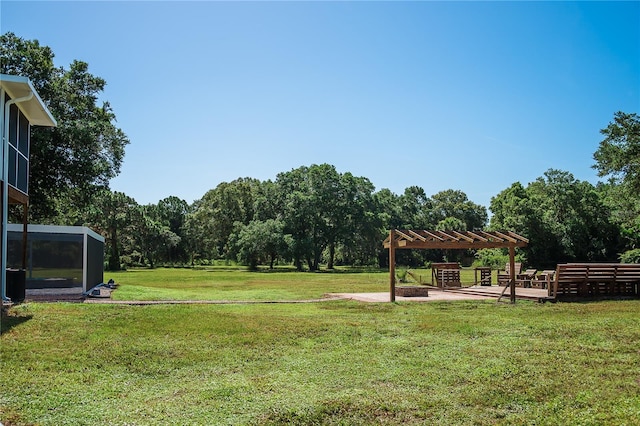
(239, 284)
(328, 363)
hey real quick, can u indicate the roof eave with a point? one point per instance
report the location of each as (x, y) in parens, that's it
(34, 109)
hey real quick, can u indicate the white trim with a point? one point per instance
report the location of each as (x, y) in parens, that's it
(35, 109)
(2, 93)
(55, 229)
(3, 235)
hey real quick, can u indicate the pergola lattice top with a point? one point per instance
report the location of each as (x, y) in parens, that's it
(421, 239)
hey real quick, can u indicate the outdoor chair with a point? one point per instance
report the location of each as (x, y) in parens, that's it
(503, 277)
(524, 279)
(485, 276)
(544, 279)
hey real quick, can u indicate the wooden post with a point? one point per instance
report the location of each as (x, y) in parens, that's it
(392, 266)
(512, 273)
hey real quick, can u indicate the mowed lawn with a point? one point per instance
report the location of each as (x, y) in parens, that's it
(238, 284)
(322, 363)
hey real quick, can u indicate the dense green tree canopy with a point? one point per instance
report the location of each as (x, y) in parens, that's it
(565, 219)
(618, 157)
(259, 241)
(618, 154)
(320, 210)
(216, 213)
(114, 215)
(72, 161)
(452, 204)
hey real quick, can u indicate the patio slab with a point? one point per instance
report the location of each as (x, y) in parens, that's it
(434, 296)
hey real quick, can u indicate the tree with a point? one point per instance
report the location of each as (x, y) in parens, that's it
(624, 206)
(416, 209)
(113, 215)
(259, 241)
(362, 222)
(72, 162)
(451, 224)
(153, 239)
(618, 154)
(455, 204)
(304, 194)
(215, 215)
(325, 211)
(564, 219)
(514, 209)
(172, 213)
(267, 202)
(618, 157)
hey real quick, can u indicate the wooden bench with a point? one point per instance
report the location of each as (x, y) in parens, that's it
(587, 280)
(445, 274)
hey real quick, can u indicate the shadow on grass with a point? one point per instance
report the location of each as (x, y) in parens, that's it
(266, 269)
(337, 270)
(11, 319)
(337, 412)
(584, 300)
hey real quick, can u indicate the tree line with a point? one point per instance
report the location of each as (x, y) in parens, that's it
(312, 215)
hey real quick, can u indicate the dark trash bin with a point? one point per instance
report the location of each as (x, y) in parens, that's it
(16, 285)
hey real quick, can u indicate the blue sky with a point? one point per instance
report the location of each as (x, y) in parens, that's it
(444, 95)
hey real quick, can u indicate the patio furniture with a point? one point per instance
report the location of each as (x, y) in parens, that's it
(503, 277)
(524, 279)
(587, 280)
(485, 275)
(445, 274)
(543, 279)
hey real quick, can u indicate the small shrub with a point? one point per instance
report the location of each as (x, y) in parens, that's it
(630, 256)
(493, 258)
(496, 258)
(402, 275)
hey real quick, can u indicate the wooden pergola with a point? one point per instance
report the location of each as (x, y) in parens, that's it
(448, 240)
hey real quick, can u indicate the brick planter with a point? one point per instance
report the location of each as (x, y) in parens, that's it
(412, 291)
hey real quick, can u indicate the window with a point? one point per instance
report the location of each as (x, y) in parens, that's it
(23, 135)
(18, 155)
(12, 166)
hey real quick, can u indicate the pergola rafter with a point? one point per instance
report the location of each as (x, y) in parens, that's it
(452, 240)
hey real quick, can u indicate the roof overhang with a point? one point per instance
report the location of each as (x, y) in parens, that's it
(56, 229)
(34, 109)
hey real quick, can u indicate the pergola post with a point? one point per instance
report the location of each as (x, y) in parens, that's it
(512, 273)
(392, 267)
